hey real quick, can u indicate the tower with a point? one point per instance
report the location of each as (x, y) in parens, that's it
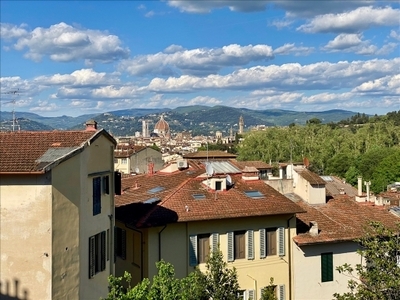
(241, 124)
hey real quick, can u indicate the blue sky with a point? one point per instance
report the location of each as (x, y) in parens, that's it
(78, 57)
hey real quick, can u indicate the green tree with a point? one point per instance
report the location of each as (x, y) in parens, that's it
(165, 286)
(388, 171)
(378, 277)
(221, 282)
(269, 292)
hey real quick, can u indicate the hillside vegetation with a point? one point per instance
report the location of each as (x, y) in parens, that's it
(348, 149)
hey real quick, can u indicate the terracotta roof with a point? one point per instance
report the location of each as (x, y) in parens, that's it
(178, 204)
(215, 154)
(35, 151)
(311, 177)
(162, 125)
(123, 151)
(341, 219)
(334, 186)
(254, 163)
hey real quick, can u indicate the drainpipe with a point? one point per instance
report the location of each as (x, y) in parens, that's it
(159, 242)
(290, 257)
(255, 286)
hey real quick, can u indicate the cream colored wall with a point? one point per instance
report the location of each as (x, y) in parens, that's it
(284, 186)
(123, 168)
(317, 194)
(307, 270)
(251, 273)
(25, 234)
(301, 187)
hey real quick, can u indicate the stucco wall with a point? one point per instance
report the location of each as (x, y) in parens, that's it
(25, 234)
(307, 270)
(284, 186)
(253, 274)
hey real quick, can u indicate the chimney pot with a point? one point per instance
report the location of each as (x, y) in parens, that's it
(314, 228)
(91, 125)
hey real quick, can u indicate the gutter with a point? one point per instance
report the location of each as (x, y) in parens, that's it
(141, 248)
(24, 173)
(159, 242)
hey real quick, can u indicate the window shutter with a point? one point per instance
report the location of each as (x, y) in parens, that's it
(282, 295)
(230, 246)
(215, 241)
(193, 250)
(92, 256)
(250, 295)
(123, 243)
(262, 243)
(96, 195)
(106, 185)
(281, 241)
(103, 250)
(250, 244)
(326, 267)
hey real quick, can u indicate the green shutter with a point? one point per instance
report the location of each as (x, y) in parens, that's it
(193, 250)
(230, 246)
(326, 267)
(250, 244)
(262, 243)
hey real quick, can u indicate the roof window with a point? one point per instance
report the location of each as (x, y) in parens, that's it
(254, 194)
(156, 189)
(199, 196)
(152, 200)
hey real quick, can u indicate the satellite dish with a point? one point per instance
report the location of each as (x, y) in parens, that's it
(209, 169)
(228, 180)
(137, 170)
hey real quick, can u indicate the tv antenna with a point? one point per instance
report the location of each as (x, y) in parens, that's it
(14, 94)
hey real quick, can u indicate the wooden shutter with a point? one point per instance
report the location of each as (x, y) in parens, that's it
(281, 241)
(250, 244)
(215, 241)
(272, 241)
(230, 246)
(251, 295)
(106, 185)
(123, 243)
(92, 256)
(326, 267)
(103, 250)
(96, 195)
(262, 243)
(193, 250)
(281, 289)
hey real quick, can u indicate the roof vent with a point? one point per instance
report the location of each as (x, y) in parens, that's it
(314, 228)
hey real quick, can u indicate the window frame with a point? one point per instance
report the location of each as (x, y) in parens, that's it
(120, 243)
(97, 253)
(239, 244)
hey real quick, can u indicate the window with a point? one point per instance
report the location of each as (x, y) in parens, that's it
(124, 161)
(272, 242)
(96, 196)
(277, 290)
(218, 185)
(200, 246)
(106, 185)
(203, 247)
(326, 267)
(246, 294)
(97, 253)
(237, 243)
(120, 242)
(254, 194)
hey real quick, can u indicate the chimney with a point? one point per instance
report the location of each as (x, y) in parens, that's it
(91, 125)
(314, 228)
(359, 186)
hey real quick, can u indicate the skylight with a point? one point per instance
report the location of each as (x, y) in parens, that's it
(396, 210)
(254, 194)
(199, 196)
(156, 189)
(327, 178)
(152, 200)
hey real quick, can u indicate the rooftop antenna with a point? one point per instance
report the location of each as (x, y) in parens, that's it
(15, 93)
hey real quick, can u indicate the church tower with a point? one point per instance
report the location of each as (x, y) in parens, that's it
(241, 124)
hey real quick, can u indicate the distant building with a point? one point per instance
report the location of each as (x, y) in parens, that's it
(162, 128)
(241, 125)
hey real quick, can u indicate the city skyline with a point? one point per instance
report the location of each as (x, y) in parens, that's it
(73, 58)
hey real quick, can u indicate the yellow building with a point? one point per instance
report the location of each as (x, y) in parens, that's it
(57, 207)
(180, 216)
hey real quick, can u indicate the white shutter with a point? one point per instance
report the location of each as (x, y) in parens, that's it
(281, 241)
(250, 244)
(230, 246)
(251, 295)
(262, 243)
(281, 292)
(214, 241)
(193, 250)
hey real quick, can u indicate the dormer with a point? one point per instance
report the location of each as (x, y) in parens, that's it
(216, 183)
(250, 173)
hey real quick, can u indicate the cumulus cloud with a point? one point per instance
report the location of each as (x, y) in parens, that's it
(354, 21)
(64, 43)
(204, 100)
(395, 35)
(383, 86)
(322, 75)
(292, 49)
(10, 31)
(344, 41)
(208, 6)
(200, 61)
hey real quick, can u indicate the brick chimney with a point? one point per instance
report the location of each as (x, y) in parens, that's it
(91, 125)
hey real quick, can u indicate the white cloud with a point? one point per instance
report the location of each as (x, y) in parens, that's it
(395, 35)
(208, 6)
(354, 21)
(63, 43)
(197, 61)
(204, 100)
(292, 49)
(10, 31)
(382, 86)
(344, 41)
(44, 106)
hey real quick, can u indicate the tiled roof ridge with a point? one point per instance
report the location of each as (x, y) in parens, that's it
(144, 218)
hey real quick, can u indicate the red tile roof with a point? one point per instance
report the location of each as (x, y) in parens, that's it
(215, 154)
(123, 151)
(341, 219)
(177, 203)
(22, 151)
(311, 177)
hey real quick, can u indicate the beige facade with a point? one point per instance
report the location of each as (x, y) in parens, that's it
(172, 243)
(47, 225)
(139, 161)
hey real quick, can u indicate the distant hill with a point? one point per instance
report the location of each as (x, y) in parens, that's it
(197, 119)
